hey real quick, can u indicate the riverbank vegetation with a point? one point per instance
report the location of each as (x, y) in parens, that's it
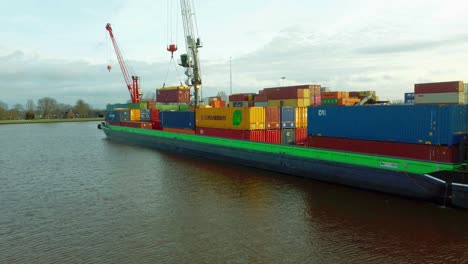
(47, 110)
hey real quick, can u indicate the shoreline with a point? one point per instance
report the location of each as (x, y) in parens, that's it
(33, 121)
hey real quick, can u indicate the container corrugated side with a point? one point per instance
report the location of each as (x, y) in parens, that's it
(272, 117)
(403, 150)
(137, 124)
(252, 135)
(439, 87)
(273, 136)
(135, 114)
(177, 119)
(301, 117)
(423, 124)
(154, 115)
(287, 117)
(289, 102)
(301, 136)
(252, 118)
(440, 98)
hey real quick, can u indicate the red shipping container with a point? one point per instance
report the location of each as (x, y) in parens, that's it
(286, 92)
(260, 98)
(156, 125)
(396, 149)
(255, 135)
(178, 130)
(173, 96)
(301, 136)
(439, 87)
(154, 115)
(113, 123)
(241, 97)
(272, 117)
(135, 124)
(273, 136)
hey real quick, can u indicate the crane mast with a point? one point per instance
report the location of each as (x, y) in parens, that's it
(132, 85)
(192, 42)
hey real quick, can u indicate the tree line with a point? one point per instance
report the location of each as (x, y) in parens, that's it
(48, 108)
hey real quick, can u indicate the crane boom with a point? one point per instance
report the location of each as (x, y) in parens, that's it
(133, 85)
(192, 43)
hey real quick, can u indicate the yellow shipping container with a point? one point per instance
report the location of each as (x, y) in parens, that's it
(135, 114)
(301, 117)
(241, 118)
(290, 102)
(306, 94)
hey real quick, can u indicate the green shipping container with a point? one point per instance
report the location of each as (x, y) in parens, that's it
(141, 105)
(163, 107)
(329, 101)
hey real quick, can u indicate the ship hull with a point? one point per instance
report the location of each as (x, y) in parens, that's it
(413, 185)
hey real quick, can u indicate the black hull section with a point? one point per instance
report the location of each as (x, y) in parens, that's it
(415, 186)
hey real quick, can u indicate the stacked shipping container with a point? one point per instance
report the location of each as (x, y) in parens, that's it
(439, 93)
(388, 130)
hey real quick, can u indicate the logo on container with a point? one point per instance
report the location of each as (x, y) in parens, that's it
(236, 118)
(213, 117)
(322, 112)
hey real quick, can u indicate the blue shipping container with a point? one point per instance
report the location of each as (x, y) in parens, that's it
(145, 114)
(424, 124)
(409, 98)
(117, 116)
(288, 117)
(176, 119)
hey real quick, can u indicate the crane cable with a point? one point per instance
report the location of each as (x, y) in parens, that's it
(170, 36)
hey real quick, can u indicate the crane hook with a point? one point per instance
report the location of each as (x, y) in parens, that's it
(172, 48)
(109, 68)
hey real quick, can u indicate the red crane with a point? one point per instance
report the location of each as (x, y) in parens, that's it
(133, 86)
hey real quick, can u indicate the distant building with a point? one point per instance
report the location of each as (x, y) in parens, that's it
(70, 114)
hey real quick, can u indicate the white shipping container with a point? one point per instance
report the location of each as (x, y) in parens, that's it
(439, 98)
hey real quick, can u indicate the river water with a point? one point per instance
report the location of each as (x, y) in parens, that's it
(68, 195)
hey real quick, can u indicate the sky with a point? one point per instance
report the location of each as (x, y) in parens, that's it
(60, 49)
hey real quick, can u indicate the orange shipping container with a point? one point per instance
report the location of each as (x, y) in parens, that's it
(178, 130)
(333, 95)
(348, 101)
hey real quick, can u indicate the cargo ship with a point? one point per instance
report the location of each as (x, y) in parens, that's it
(411, 150)
(416, 150)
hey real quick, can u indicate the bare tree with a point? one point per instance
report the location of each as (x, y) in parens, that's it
(3, 110)
(17, 111)
(81, 108)
(30, 105)
(46, 106)
(223, 95)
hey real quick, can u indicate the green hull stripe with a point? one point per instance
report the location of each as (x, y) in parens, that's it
(380, 162)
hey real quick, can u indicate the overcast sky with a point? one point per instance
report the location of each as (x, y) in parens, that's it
(60, 49)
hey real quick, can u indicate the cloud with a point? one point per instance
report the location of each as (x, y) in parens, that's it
(414, 46)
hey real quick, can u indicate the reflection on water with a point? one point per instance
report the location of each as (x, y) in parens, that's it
(69, 195)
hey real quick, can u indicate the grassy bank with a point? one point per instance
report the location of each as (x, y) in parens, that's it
(7, 122)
